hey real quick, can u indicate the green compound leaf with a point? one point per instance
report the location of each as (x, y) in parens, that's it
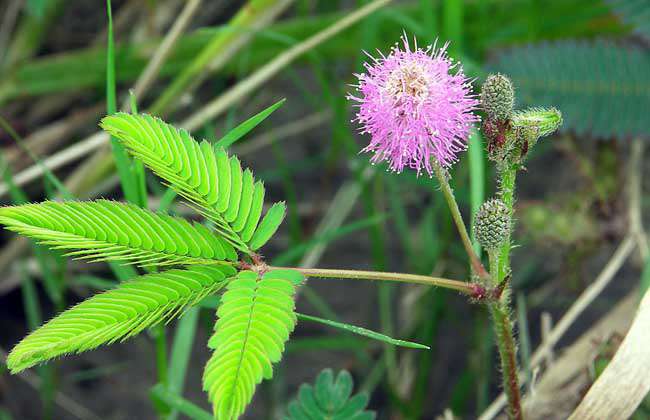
(256, 316)
(601, 88)
(106, 230)
(364, 332)
(329, 399)
(119, 313)
(204, 175)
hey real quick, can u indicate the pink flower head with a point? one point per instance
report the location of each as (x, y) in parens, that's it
(416, 105)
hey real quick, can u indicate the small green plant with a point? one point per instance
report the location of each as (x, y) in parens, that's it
(185, 262)
(257, 310)
(329, 398)
(419, 110)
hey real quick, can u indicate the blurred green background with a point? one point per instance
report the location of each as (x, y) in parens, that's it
(227, 60)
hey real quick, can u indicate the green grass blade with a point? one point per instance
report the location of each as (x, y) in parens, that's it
(94, 282)
(363, 331)
(137, 166)
(48, 173)
(335, 342)
(294, 253)
(176, 402)
(242, 129)
(452, 24)
(52, 278)
(251, 14)
(181, 352)
(16, 194)
(122, 162)
(30, 300)
(428, 18)
(34, 319)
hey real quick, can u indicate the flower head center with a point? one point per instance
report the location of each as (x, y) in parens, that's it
(409, 80)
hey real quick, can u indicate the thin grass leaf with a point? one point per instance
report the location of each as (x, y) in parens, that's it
(122, 161)
(176, 402)
(326, 237)
(364, 332)
(181, 352)
(242, 129)
(49, 175)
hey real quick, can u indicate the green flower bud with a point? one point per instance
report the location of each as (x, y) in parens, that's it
(498, 97)
(541, 121)
(492, 224)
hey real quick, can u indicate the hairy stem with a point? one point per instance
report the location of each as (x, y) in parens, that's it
(508, 354)
(507, 192)
(477, 266)
(500, 310)
(457, 285)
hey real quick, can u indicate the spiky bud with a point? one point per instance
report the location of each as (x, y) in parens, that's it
(492, 224)
(498, 97)
(539, 122)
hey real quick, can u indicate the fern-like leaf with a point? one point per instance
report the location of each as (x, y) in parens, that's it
(256, 316)
(204, 175)
(601, 88)
(119, 313)
(106, 230)
(329, 399)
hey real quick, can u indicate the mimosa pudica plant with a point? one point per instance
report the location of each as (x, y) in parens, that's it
(418, 107)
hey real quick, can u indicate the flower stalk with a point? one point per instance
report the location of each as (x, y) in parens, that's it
(419, 114)
(511, 135)
(447, 192)
(507, 348)
(500, 310)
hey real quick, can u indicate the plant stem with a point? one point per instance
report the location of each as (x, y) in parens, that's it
(507, 192)
(458, 285)
(458, 220)
(160, 343)
(508, 355)
(500, 310)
